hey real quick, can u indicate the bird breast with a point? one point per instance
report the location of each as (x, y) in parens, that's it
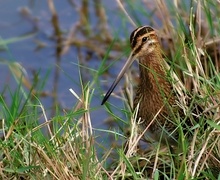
(154, 94)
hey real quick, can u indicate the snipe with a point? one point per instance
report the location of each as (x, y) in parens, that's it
(154, 96)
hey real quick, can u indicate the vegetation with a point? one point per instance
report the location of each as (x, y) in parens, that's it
(65, 146)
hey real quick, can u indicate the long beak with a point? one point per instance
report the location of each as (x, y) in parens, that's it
(118, 78)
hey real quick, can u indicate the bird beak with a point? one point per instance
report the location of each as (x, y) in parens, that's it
(118, 78)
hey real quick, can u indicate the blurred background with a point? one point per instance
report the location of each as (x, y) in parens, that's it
(61, 44)
(58, 45)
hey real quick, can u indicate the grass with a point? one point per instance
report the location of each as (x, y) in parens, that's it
(65, 145)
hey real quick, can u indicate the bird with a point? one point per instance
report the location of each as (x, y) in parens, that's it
(155, 97)
(156, 100)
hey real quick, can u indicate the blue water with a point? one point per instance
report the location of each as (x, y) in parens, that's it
(37, 25)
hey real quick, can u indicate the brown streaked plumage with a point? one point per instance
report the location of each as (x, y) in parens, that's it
(154, 95)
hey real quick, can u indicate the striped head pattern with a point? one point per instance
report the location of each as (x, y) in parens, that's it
(143, 41)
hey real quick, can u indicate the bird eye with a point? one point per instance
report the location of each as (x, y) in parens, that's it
(144, 39)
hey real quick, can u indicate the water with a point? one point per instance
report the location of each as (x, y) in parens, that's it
(37, 53)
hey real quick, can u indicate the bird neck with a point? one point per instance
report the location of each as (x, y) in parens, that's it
(153, 76)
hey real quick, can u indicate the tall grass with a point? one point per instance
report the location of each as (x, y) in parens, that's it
(189, 34)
